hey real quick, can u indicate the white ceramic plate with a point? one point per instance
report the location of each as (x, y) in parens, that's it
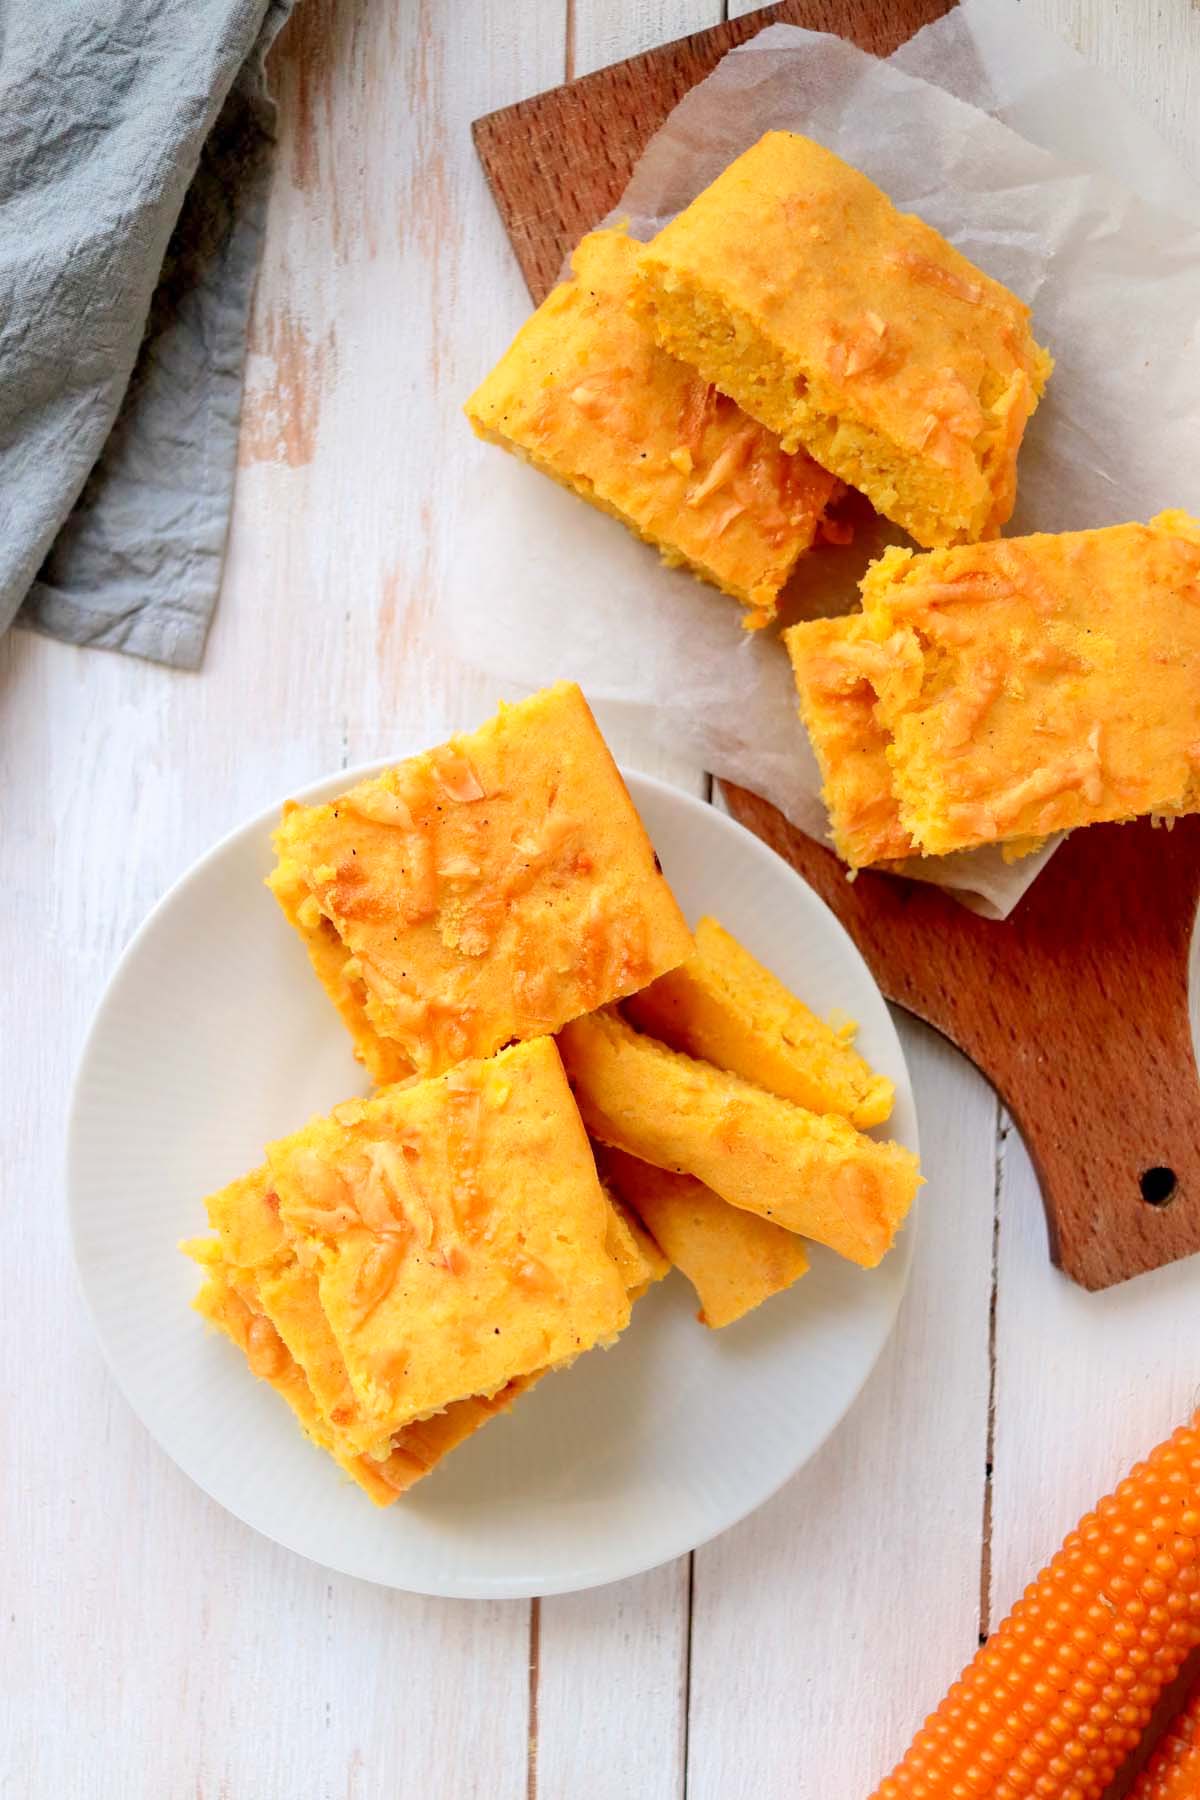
(213, 1037)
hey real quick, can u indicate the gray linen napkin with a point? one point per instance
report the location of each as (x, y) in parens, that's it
(136, 139)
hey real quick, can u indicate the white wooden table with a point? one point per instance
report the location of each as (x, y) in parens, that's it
(155, 1647)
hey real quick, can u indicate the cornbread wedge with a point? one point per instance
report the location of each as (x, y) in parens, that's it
(856, 331)
(481, 893)
(1031, 686)
(587, 397)
(830, 659)
(733, 1259)
(637, 1255)
(812, 1173)
(459, 1233)
(724, 1007)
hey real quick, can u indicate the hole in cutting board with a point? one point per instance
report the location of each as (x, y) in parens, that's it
(1157, 1185)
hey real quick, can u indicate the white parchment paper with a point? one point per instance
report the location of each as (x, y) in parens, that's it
(1094, 224)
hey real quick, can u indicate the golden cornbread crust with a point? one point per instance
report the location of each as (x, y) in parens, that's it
(812, 1173)
(733, 1259)
(1030, 686)
(795, 286)
(723, 1006)
(480, 893)
(587, 397)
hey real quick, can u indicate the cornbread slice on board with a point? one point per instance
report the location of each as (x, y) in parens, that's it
(723, 1006)
(795, 286)
(1038, 684)
(733, 1259)
(586, 396)
(483, 892)
(830, 660)
(459, 1232)
(810, 1172)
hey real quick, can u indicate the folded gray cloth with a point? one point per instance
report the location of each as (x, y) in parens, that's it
(136, 139)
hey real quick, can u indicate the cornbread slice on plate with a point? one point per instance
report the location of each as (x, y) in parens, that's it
(795, 286)
(1034, 685)
(459, 1232)
(586, 396)
(410, 1455)
(723, 1006)
(481, 893)
(810, 1172)
(831, 659)
(734, 1259)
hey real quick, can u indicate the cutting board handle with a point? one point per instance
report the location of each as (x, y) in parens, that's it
(1076, 1010)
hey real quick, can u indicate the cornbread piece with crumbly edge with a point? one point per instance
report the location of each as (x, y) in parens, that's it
(1038, 684)
(411, 1454)
(480, 893)
(733, 1259)
(587, 397)
(810, 1172)
(723, 1006)
(831, 661)
(795, 286)
(272, 1311)
(459, 1233)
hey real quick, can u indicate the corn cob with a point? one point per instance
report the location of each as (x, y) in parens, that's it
(1173, 1772)
(1062, 1691)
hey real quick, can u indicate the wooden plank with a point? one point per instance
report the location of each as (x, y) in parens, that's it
(829, 1620)
(198, 1659)
(559, 161)
(626, 1643)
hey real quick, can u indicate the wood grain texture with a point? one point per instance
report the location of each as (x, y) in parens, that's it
(1098, 952)
(153, 1646)
(558, 162)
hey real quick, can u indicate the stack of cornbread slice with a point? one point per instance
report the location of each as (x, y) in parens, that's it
(789, 332)
(403, 1268)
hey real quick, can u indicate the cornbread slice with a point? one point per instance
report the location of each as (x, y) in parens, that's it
(459, 1234)
(830, 660)
(795, 286)
(723, 1006)
(1035, 685)
(810, 1172)
(483, 892)
(587, 397)
(337, 971)
(636, 1254)
(733, 1259)
(412, 1453)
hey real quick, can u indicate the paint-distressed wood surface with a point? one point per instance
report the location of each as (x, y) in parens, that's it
(152, 1646)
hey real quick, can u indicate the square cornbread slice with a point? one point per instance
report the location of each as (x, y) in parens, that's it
(459, 1233)
(1039, 684)
(832, 660)
(812, 1173)
(795, 286)
(723, 1006)
(483, 892)
(733, 1259)
(586, 396)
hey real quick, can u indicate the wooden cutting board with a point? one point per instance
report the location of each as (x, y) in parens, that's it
(1075, 1007)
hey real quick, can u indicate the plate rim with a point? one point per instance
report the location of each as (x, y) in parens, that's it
(477, 1586)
